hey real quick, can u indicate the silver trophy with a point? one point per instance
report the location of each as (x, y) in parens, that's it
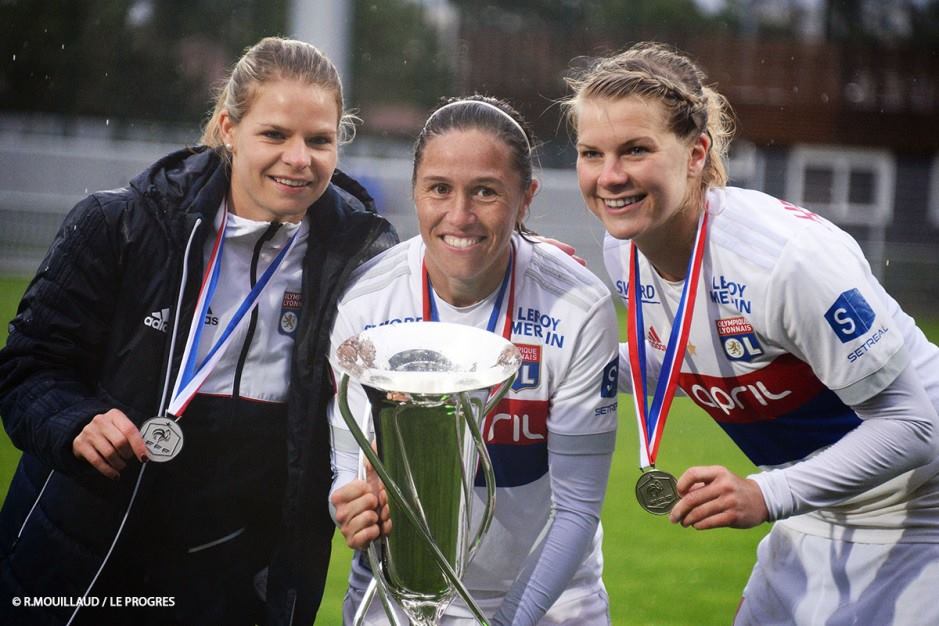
(430, 385)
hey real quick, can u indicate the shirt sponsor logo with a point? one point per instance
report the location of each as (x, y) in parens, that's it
(730, 293)
(516, 434)
(157, 320)
(609, 379)
(868, 344)
(529, 374)
(396, 320)
(646, 292)
(779, 388)
(738, 339)
(533, 323)
(211, 319)
(517, 422)
(850, 316)
(290, 313)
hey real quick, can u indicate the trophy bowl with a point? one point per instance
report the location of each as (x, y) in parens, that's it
(430, 386)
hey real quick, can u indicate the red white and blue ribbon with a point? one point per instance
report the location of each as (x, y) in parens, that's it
(191, 376)
(431, 314)
(651, 419)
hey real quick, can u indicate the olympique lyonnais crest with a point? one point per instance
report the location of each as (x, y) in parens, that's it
(739, 340)
(289, 313)
(529, 374)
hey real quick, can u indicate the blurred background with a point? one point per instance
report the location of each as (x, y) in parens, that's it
(837, 101)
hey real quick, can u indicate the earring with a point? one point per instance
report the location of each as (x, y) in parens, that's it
(228, 147)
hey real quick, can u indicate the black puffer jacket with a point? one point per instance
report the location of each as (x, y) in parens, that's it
(80, 345)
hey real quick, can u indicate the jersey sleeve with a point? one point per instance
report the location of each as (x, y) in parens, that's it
(578, 486)
(901, 417)
(584, 402)
(345, 450)
(825, 307)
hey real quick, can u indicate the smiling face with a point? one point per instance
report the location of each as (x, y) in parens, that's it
(284, 150)
(636, 175)
(469, 198)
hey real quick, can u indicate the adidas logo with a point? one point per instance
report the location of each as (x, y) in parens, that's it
(654, 340)
(157, 320)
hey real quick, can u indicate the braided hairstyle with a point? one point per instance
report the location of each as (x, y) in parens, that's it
(654, 71)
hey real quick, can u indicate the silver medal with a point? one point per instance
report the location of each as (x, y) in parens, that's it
(163, 438)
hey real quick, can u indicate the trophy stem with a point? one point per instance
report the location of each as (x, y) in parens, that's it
(398, 499)
(376, 585)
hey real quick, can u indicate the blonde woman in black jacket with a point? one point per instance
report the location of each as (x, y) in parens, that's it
(165, 375)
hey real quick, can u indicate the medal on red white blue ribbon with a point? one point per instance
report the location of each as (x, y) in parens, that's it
(162, 434)
(656, 490)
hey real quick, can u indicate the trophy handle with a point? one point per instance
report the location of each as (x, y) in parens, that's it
(485, 464)
(376, 584)
(497, 395)
(395, 494)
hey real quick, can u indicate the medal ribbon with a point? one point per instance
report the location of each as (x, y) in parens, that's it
(191, 376)
(431, 314)
(652, 419)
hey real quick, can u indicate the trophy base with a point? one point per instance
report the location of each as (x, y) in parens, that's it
(422, 610)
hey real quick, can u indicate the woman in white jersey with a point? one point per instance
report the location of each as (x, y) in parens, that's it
(551, 438)
(790, 344)
(151, 473)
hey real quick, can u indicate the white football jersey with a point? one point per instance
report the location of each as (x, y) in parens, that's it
(790, 329)
(564, 323)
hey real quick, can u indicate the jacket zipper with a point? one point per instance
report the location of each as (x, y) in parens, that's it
(253, 323)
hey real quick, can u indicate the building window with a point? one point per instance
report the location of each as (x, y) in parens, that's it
(848, 186)
(745, 165)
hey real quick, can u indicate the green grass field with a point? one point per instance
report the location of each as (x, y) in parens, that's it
(657, 574)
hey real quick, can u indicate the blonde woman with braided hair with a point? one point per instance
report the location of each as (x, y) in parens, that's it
(768, 317)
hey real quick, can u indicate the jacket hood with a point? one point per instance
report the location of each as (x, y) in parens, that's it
(191, 179)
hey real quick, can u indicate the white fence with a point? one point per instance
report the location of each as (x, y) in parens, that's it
(44, 172)
(43, 176)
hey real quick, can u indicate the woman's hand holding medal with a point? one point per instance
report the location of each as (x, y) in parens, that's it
(108, 442)
(714, 497)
